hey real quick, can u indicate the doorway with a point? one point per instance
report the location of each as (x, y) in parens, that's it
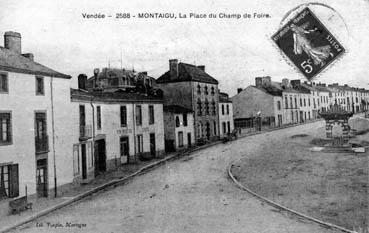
(189, 139)
(84, 162)
(100, 156)
(41, 178)
(207, 130)
(152, 144)
(124, 150)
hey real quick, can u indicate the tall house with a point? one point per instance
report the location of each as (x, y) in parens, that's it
(225, 114)
(191, 87)
(34, 123)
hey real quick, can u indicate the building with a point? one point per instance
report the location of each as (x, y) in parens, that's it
(226, 125)
(178, 127)
(258, 105)
(35, 124)
(191, 87)
(114, 128)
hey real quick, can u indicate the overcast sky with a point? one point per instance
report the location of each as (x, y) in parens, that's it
(233, 51)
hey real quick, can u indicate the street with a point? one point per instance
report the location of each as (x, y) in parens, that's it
(192, 194)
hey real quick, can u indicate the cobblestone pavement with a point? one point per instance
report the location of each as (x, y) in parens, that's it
(192, 194)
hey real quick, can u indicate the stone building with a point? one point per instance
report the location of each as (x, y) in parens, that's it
(34, 123)
(178, 127)
(191, 87)
(118, 128)
(225, 115)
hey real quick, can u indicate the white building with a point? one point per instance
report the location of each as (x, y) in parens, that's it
(179, 127)
(122, 126)
(225, 115)
(35, 123)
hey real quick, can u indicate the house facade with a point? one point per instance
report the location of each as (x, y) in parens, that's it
(35, 123)
(119, 128)
(179, 128)
(191, 87)
(225, 115)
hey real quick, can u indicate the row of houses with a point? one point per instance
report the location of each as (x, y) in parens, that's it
(53, 135)
(291, 102)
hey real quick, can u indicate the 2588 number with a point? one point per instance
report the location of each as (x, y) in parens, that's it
(122, 15)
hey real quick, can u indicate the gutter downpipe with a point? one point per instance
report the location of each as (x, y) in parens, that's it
(53, 132)
(93, 132)
(134, 130)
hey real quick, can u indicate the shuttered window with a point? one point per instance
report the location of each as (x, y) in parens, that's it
(9, 181)
(5, 128)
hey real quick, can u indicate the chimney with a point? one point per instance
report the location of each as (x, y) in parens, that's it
(173, 68)
(239, 90)
(295, 83)
(12, 41)
(258, 81)
(266, 81)
(82, 80)
(144, 73)
(202, 67)
(285, 83)
(28, 55)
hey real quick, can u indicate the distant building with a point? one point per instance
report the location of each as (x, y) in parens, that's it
(191, 87)
(179, 127)
(225, 115)
(34, 123)
(114, 128)
(260, 102)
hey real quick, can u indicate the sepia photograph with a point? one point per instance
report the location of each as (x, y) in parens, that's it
(179, 116)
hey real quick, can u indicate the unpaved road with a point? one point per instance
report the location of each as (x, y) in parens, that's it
(193, 194)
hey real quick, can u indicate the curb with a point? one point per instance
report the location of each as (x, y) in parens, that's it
(281, 207)
(114, 182)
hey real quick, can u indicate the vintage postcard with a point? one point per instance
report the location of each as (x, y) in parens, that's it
(184, 116)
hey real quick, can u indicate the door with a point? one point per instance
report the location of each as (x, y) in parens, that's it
(189, 139)
(208, 130)
(84, 162)
(100, 156)
(124, 150)
(152, 144)
(41, 178)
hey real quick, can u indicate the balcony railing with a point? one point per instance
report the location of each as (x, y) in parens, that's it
(85, 132)
(42, 144)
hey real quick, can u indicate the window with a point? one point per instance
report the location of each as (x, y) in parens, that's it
(199, 107)
(305, 102)
(180, 139)
(212, 91)
(309, 102)
(40, 90)
(184, 119)
(295, 102)
(123, 116)
(215, 127)
(279, 105)
(300, 102)
(4, 83)
(198, 89)
(98, 117)
(9, 181)
(207, 107)
(206, 90)
(214, 108)
(227, 109)
(139, 144)
(291, 104)
(229, 126)
(138, 115)
(177, 122)
(222, 109)
(5, 128)
(286, 102)
(151, 115)
(75, 159)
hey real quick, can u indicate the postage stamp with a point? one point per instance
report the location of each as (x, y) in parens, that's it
(308, 43)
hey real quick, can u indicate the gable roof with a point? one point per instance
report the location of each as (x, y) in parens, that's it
(14, 62)
(187, 72)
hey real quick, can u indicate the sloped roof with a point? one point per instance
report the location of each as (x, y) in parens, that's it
(14, 62)
(187, 72)
(176, 109)
(78, 94)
